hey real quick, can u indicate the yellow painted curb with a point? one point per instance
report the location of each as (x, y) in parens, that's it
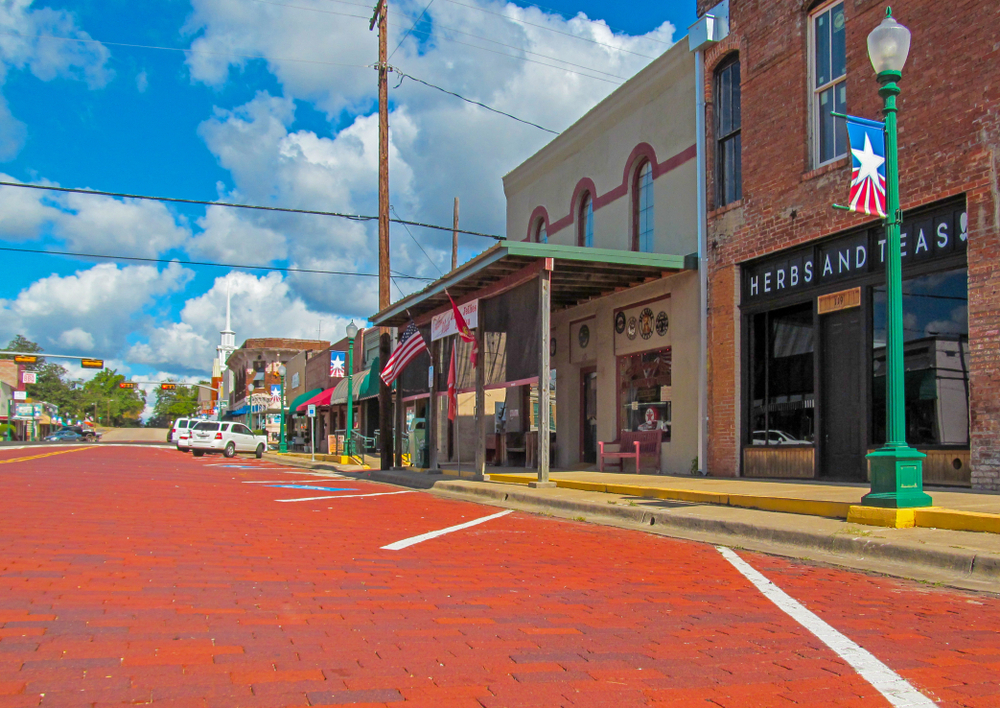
(808, 507)
(582, 486)
(933, 517)
(876, 516)
(345, 460)
(507, 478)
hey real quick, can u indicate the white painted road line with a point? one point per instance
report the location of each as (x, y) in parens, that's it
(311, 480)
(407, 542)
(347, 496)
(890, 684)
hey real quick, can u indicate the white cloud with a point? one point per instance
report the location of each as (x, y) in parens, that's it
(261, 307)
(91, 310)
(23, 46)
(142, 81)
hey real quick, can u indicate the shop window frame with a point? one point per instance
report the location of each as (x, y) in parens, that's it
(816, 91)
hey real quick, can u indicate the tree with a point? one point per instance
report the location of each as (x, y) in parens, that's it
(20, 343)
(111, 404)
(180, 402)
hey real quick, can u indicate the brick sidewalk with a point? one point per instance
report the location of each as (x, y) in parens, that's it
(145, 576)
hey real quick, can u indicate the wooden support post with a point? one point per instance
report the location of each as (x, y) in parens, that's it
(432, 411)
(398, 428)
(480, 470)
(544, 364)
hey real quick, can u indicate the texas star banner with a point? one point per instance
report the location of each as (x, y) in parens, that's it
(868, 162)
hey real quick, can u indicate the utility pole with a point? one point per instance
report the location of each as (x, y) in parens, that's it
(454, 239)
(384, 393)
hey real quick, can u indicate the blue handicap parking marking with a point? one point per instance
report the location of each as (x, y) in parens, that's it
(308, 486)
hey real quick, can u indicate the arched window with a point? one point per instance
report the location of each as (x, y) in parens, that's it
(540, 235)
(642, 209)
(585, 237)
(728, 144)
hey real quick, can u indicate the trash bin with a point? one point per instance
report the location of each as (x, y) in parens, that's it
(418, 443)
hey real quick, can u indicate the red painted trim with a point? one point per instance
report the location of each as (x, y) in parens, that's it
(542, 213)
(511, 384)
(418, 397)
(640, 151)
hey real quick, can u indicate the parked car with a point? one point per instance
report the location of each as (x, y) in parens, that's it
(184, 438)
(227, 438)
(66, 436)
(89, 434)
(179, 425)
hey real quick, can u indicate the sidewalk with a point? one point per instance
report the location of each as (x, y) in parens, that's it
(771, 517)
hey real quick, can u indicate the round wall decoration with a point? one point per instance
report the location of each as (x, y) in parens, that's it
(646, 323)
(552, 347)
(632, 327)
(620, 322)
(583, 336)
(662, 323)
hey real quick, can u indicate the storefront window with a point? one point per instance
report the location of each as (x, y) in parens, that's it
(782, 384)
(644, 391)
(936, 359)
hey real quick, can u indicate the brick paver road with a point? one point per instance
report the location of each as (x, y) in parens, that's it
(135, 576)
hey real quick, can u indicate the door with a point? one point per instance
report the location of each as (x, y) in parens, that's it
(588, 412)
(842, 411)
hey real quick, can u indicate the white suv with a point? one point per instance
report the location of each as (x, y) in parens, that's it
(227, 438)
(181, 425)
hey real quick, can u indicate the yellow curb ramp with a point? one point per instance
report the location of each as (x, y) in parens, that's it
(937, 518)
(877, 516)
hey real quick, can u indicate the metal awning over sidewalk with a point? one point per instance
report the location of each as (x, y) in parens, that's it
(579, 274)
(518, 285)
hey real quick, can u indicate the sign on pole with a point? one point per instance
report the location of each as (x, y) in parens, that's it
(311, 411)
(29, 377)
(20, 395)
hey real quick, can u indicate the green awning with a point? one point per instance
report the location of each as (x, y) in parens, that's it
(299, 400)
(369, 387)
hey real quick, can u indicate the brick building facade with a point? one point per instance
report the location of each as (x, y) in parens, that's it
(792, 169)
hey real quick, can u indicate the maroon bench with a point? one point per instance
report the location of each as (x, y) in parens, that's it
(633, 445)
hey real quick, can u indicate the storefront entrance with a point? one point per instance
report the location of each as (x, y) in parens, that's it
(842, 392)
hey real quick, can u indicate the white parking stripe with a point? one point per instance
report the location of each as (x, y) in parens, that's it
(282, 481)
(347, 496)
(890, 684)
(407, 542)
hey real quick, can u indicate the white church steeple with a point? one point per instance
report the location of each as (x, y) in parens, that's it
(228, 340)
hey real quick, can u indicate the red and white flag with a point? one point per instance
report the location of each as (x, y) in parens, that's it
(452, 392)
(406, 351)
(465, 332)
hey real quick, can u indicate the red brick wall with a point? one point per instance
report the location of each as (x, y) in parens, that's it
(949, 137)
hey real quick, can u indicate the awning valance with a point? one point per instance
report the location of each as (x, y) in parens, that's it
(369, 386)
(339, 396)
(320, 399)
(299, 400)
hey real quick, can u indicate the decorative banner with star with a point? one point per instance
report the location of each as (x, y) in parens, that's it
(868, 156)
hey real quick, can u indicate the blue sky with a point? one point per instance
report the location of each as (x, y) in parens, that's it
(293, 128)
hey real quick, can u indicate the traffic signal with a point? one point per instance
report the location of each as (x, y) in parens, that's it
(126, 384)
(92, 363)
(168, 386)
(24, 359)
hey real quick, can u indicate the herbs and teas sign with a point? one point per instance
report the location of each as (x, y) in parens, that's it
(929, 236)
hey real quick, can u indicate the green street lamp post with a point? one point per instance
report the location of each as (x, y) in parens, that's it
(896, 468)
(352, 332)
(283, 445)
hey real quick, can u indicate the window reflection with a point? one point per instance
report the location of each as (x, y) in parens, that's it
(783, 402)
(936, 359)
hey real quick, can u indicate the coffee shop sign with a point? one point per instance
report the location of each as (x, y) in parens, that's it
(938, 235)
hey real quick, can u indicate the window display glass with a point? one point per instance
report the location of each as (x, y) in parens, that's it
(936, 359)
(645, 391)
(783, 405)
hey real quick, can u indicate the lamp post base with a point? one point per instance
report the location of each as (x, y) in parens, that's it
(897, 479)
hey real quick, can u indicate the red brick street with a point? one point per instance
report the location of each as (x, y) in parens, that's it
(136, 575)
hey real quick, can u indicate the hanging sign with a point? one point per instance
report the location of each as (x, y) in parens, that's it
(443, 325)
(29, 377)
(834, 302)
(643, 327)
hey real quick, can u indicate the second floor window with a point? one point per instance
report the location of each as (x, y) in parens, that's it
(540, 235)
(829, 69)
(643, 205)
(729, 146)
(586, 236)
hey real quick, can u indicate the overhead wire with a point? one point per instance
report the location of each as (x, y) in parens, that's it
(468, 100)
(407, 33)
(557, 12)
(393, 210)
(211, 264)
(351, 217)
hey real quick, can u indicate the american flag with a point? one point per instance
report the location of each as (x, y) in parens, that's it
(411, 344)
(868, 173)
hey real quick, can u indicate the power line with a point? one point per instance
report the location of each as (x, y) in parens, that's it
(393, 210)
(407, 34)
(549, 29)
(553, 11)
(350, 217)
(469, 100)
(241, 266)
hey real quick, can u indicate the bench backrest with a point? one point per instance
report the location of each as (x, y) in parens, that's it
(649, 441)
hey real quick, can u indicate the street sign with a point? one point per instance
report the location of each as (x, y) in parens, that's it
(20, 395)
(311, 411)
(168, 386)
(126, 384)
(92, 363)
(24, 359)
(29, 377)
